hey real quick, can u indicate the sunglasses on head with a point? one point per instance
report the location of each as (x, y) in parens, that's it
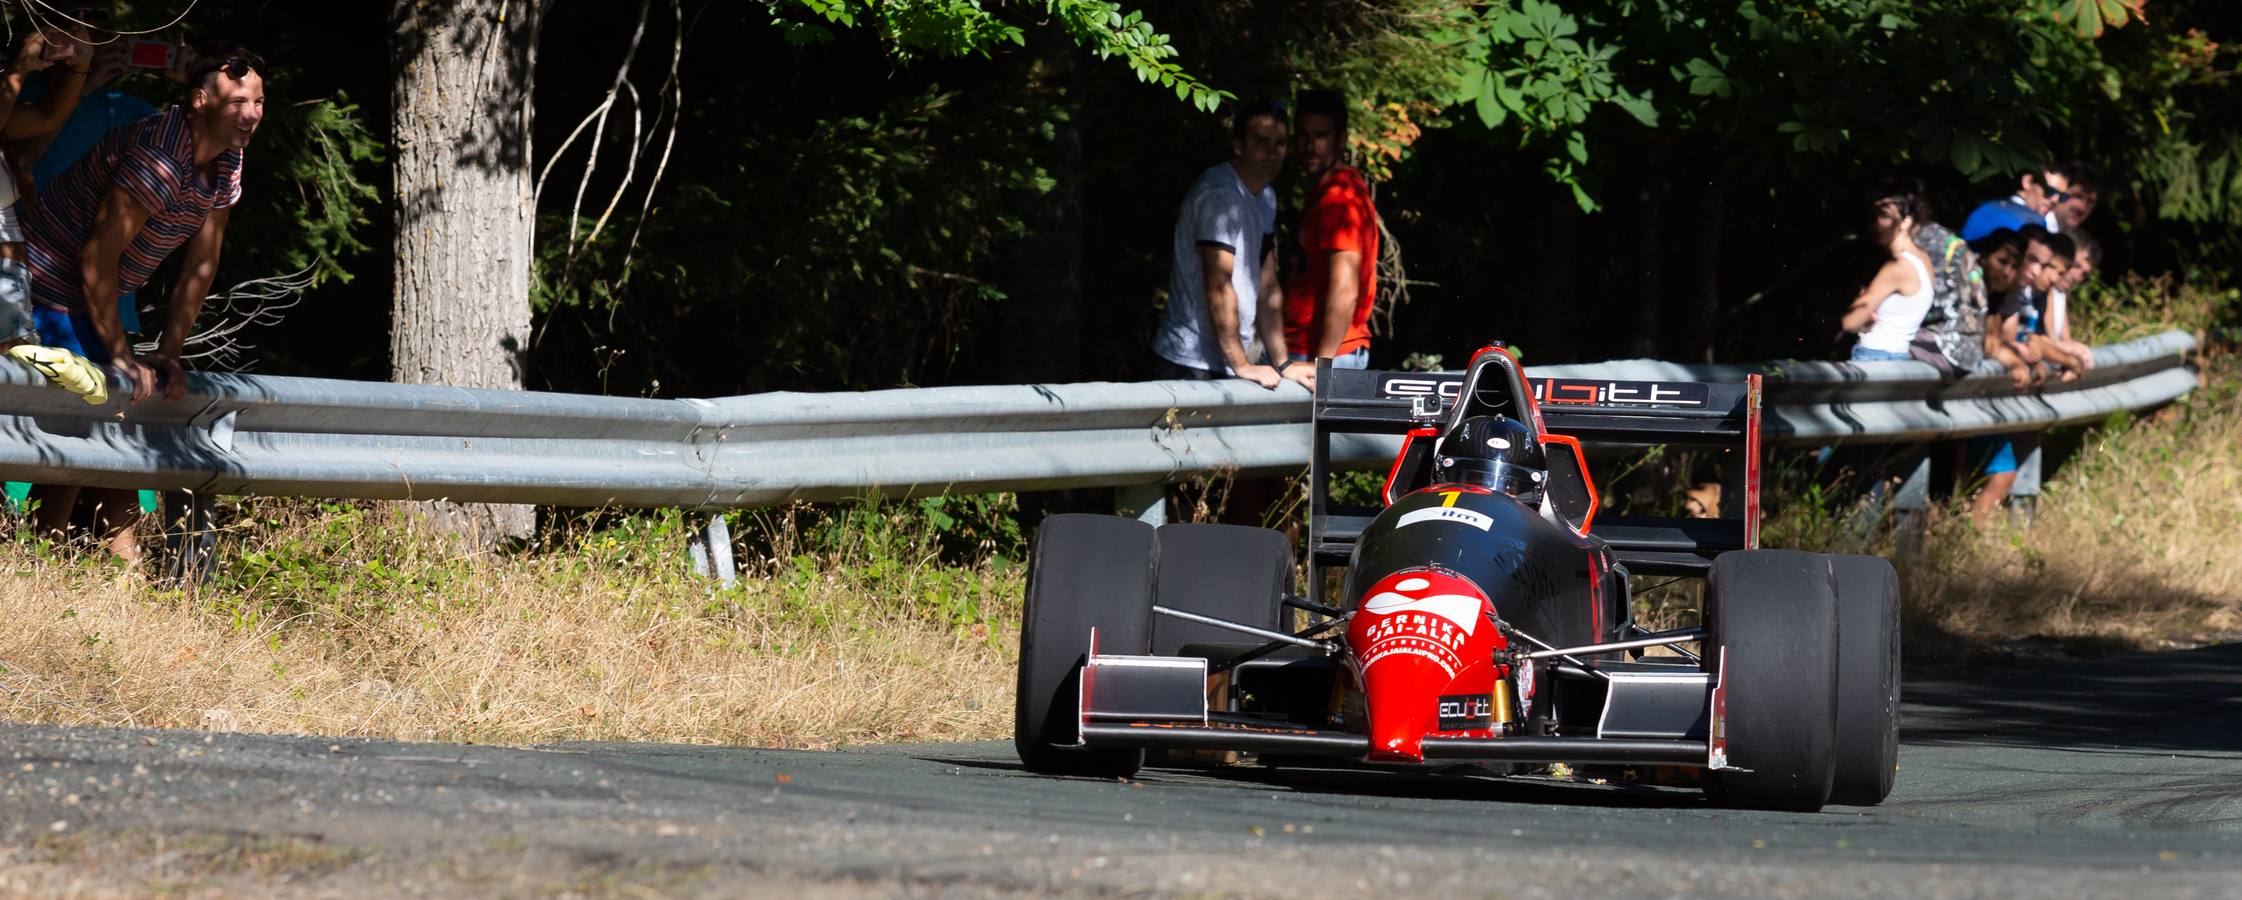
(235, 67)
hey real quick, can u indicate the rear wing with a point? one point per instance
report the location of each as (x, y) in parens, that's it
(1565, 411)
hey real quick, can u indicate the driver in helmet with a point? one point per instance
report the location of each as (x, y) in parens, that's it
(1495, 452)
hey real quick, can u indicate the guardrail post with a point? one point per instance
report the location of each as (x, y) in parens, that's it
(1146, 502)
(1909, 504)
(2024, 495)
(711, 548)
(190, 542)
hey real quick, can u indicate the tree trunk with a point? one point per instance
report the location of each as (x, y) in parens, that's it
(465, 209)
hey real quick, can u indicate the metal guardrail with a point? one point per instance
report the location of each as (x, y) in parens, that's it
(245, 434)
(1814, 403)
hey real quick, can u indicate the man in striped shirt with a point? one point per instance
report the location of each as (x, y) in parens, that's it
(149, 188)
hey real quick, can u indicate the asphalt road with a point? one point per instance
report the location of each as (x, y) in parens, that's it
(2119, 779)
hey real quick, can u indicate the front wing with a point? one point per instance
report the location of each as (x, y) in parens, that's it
(1160, 703)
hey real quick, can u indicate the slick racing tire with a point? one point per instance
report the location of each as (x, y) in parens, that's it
(1231, 572)
(1867, 679)
(1084, 572)
(1771, 637)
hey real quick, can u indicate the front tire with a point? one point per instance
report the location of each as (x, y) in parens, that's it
(1084, 572)
(1771, 624)
(1868, 663)
(1231, 572)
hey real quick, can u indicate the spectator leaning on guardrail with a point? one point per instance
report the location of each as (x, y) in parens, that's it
(2082, 196)
(2005, 266)
(2047, 261)
(164, 182)
(66, 58)
(2022, 320)
(1225, 314)
(101, 110)
(1328, 299)
(2037, 195)
(1952, 338)
(2056, 323)
(1888, 312)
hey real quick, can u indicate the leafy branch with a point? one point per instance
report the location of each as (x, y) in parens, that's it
(1528, 68)
(2088, 17)
(1107, 31)
(949, 28)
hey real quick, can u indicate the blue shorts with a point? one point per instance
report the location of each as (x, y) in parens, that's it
(1997, 451)
(70, 331)
(1865, 354)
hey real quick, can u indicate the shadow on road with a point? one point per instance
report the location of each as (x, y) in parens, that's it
(2164, 702)
(1462, 782)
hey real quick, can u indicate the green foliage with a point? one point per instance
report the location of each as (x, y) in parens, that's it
(961, 529)
(641, 546)
(856, 251)
(1110, 33)
(951, 560)
(2138, 307)
(342, 562)
(2089, 17)
(936, 27)
(2181, 138)
(947, 28)
(1394, 61)
(1358, 488)
(324, 153)
(1531, 67)
(1974, 85)
(1968, 85)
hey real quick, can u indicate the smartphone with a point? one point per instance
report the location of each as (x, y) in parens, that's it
(152, 54)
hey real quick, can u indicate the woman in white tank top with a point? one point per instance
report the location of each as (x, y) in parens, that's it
(1887, 314)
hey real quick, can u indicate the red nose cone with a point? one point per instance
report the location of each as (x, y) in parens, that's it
(1414, 633)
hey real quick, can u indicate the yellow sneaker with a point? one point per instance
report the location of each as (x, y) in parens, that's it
(66, 370)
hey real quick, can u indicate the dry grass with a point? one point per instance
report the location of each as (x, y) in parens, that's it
(2132, 546)
(343, 621)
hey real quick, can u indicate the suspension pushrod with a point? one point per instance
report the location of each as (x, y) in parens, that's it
(1660, 639)
(1262, 633)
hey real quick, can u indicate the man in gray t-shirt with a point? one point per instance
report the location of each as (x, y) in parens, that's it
(1223, 290)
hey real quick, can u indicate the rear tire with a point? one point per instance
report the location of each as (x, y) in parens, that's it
(1772, 615)
(1084, 572)
(1867, 679)
(1231, 572)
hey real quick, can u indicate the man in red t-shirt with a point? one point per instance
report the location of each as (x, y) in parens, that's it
(1327, 301)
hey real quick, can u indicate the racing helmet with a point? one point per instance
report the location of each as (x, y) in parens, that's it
(1495, 452)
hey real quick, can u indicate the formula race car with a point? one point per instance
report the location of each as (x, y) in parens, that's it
(1482, 615)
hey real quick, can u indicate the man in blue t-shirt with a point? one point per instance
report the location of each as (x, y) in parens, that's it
(2037, 194)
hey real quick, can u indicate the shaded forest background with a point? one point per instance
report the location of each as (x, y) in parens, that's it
(865, 195)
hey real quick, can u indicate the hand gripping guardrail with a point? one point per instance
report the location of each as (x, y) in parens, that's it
(245, 434)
